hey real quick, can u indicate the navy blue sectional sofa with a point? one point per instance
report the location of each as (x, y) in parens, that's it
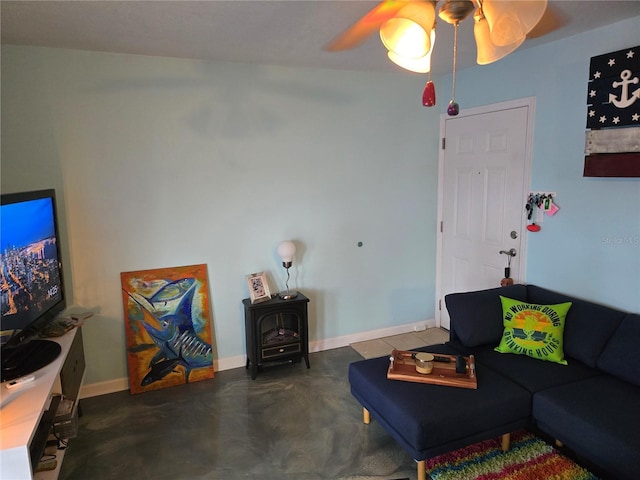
(591, 405)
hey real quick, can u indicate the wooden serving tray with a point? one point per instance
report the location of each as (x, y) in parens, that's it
(403, 367)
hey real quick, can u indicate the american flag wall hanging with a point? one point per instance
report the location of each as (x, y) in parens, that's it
(612, 144)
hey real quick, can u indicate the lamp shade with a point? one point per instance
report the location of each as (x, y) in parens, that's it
(286, 251)
(418, 65)
(408, 33)
(488, 52)
(511, 21)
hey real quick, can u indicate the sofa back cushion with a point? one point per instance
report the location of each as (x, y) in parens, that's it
(588, 326)
(476, 317)
(619, 357)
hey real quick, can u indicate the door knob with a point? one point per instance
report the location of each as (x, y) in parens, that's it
(511, 252)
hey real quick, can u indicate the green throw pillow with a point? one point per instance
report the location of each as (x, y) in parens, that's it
(533, 330)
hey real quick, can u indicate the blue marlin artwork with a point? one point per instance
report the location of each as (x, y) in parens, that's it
(168, 327)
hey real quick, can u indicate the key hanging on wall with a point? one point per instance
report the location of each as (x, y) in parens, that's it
(549, 207)
(539, 203)
(531, 207)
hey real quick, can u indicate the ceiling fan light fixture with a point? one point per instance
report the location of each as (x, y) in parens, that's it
(487, 51)
(407, 30)
(417, 65)
(407, 33)
(404, 38)
(511, 21)
(455, 11)
(530, 12)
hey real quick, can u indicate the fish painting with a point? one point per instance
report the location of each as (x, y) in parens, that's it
(168, 327)
(174, 332)
(171, 291)
(161, 369)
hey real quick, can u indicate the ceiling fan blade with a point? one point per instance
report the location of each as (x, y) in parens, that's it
(363, 28)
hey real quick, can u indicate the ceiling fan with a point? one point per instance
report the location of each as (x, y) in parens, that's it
(408, 28)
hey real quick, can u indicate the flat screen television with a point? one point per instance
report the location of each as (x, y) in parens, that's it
(31, 284)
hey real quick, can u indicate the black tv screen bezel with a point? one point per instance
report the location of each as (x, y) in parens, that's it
(34, 326)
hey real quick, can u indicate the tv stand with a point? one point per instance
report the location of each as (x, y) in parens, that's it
(25, 411)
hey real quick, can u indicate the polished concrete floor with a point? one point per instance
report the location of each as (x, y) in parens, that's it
(288, 423)
(405, 341)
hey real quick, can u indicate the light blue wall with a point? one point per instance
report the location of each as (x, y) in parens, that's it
(591, 247)
(165, 162)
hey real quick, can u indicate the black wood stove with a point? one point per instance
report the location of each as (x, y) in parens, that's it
(276, 331)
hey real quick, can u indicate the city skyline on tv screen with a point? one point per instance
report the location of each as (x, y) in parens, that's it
(30, 280)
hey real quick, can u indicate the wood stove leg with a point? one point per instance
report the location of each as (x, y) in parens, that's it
(506, 442)
(366, 416)
(306, 360)
(422, 470)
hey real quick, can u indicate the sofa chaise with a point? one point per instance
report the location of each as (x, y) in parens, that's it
(586, 394)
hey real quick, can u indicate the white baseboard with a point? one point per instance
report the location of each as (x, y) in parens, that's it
(102, 388)
(237, 361)
(230, 362)
(346, 340)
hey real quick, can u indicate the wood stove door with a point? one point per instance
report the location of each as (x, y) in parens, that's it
(280, 334)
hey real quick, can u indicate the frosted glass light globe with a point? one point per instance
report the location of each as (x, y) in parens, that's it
(286, 251)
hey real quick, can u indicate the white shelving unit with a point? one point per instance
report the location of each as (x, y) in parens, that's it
(21, 409)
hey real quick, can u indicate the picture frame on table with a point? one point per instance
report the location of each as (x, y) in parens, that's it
(258, 287)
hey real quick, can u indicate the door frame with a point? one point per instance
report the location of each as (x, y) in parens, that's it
(521, 258)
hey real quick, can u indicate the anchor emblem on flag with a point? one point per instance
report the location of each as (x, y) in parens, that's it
(625, 100)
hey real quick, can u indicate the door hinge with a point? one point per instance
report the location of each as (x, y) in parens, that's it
(441, 222)
(443, 143)
(440, 304)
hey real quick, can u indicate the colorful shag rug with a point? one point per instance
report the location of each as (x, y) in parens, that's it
(529, 458)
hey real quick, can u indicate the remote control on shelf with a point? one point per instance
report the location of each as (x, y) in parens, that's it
(20, 381)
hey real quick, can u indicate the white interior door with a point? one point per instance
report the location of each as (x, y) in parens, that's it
(484, 181)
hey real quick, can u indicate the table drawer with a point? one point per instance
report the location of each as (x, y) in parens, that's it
(282, 350)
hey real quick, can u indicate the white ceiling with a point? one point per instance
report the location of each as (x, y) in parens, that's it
(274, 32)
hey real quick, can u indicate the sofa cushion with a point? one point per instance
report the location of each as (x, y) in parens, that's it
(533, 330)
(527, 372)
(598, 419)
(619, 355)
(476, 317)
(588, 326)
(428, 419)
